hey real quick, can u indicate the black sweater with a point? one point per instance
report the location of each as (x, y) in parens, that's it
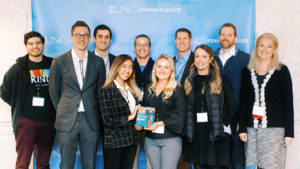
(278, 98)
(172, 112)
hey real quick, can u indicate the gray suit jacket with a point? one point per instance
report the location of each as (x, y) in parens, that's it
(66, 94)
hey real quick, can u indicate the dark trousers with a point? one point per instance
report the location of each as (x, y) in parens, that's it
(36, 135)
(87, 138)
(119, 158)
(238, 149)
(198, 166)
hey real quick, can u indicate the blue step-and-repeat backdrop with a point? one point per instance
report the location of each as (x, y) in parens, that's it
(159, 19)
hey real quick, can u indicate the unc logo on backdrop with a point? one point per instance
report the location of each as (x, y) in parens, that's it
(134, 9)
(53, 40)
(122, 10)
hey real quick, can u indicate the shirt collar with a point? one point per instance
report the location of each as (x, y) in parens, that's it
(76, 57)
(232, 51)
(185, 57)
(106, 55)
(119, 87)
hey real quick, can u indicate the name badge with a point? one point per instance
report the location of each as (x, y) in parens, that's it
(159, 130)
(257, 112)
(202, 117)
(38, 101)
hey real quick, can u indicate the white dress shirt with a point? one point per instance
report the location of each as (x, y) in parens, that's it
(128, 96)
(79, 72)
(225, 56)
(106, 62)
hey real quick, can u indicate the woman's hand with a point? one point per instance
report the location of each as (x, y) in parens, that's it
(287, 141)
(154, 126)
(133, 113)
(244, 137)
(138, 128)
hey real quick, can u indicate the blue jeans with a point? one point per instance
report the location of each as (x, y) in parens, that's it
(164, 153)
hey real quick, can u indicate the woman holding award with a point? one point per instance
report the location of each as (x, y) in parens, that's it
(118, 106)
(266, 106)
(210, 106)
(163, 139)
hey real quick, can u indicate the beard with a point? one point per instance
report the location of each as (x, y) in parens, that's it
(226, 44)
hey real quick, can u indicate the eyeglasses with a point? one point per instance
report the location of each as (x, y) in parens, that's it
(142, 45)
(32, 43)
(78, 35)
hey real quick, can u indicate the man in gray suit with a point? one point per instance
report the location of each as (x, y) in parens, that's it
(74, 82)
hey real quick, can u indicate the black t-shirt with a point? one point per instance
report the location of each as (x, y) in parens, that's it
(37, 103)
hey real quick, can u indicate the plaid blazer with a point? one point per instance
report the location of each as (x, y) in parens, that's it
(118, 131)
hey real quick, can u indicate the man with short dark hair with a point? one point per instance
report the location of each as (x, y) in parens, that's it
(102, 38)
(143, 63)
(74, 81)
(185, 56)
(25, 89)
(231, 62)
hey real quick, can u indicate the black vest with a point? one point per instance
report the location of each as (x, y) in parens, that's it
(215, 105)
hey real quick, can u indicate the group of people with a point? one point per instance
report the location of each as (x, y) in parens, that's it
(207, 104)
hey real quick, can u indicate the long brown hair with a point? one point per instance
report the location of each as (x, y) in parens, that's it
(215, 82)
(115, 68)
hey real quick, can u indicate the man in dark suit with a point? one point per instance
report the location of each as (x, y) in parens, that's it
(74, 81)
(231, 62)
(185, 56)
(102, 38)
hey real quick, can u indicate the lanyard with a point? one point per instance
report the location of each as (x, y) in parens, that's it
(124, 95)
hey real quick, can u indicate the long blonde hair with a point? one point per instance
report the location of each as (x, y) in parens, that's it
(254, 60)
(172, 83)
(215, 82)
(115, 68)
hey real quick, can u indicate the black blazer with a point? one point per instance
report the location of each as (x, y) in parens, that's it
(187, 68)
(118, 131)
(172, 112)
(111, 58)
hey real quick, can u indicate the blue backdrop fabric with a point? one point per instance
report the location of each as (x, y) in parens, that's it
(127, 19)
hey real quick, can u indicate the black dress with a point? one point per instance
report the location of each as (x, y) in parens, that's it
(202, 151)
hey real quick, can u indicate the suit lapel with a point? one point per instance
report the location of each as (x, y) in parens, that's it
(72, 69)
(111, 59)
(88, 70)
(187, 68)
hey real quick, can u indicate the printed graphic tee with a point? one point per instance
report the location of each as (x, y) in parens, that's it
(37, 104)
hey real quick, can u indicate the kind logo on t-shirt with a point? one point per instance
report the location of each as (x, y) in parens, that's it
(39, 76)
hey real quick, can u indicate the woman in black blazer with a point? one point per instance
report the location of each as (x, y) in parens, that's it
(118, 105)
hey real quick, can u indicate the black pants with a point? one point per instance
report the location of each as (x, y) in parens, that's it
(119, 158)
(198, 166)
(238, 150)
